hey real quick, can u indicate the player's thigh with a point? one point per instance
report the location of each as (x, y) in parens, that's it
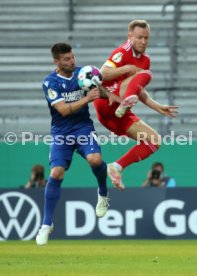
(61, 155)
(141, 131)
(89, 144)
(124, 84)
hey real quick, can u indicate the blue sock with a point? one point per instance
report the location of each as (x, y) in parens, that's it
(52, 195)
(101, 174)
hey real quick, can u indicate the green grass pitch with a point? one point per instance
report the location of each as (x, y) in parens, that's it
(121, 258)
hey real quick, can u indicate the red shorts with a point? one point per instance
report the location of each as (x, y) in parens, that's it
(106, 115)
(114, 88)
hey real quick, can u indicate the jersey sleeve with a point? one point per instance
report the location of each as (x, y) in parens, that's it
(52, 92)
(116, 59)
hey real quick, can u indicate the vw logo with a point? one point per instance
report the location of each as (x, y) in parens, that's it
(19, 215)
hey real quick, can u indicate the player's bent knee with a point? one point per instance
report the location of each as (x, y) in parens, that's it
(57, 173)
(154, 139)
(94, 159)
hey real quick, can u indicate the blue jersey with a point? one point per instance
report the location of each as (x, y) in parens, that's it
(58, 88)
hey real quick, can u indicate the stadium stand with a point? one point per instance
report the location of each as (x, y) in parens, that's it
(94, 28)
(27, 29)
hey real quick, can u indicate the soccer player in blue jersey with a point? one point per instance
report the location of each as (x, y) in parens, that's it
(68, 105)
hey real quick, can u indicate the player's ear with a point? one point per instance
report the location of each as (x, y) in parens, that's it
(55, 61)
(129, 35)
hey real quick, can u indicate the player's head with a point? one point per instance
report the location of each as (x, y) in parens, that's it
(158, 166)
(63, 57)
(38, 172)
(157, 171)
(138, 34)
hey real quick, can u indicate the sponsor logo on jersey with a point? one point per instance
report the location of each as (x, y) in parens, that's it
(73, 96)
(52, 94)
(117, 57)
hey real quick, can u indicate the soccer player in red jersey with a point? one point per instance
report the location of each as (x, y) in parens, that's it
(126, 73)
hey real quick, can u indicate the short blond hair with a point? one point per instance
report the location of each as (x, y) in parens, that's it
(138, 23)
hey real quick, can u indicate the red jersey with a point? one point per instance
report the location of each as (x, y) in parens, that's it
(124, 55)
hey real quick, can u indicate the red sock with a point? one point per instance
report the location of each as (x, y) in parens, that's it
(136, 154)
(140, 80)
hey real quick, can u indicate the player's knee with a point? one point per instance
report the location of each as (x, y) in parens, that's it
(144, 77)
(94, 159)
(156, 140)
(57, 173)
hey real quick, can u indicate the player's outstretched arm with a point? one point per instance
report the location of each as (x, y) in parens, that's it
(66, 109)
(169, 111)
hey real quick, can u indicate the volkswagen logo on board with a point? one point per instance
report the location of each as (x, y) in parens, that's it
(19, 216)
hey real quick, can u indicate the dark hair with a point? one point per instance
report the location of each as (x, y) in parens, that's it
(158, 164)
(39, 172)
(60, 48)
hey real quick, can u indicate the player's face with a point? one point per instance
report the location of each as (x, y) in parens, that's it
(158, 168)
(139, 39)
(66, 62)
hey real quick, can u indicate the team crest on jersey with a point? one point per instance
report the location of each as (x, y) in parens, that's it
(52, 94)
(117, 57)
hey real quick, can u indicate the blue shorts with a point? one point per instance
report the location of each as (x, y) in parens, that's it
(83, 141)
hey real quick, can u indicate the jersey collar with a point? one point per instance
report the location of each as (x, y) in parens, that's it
(65, 77)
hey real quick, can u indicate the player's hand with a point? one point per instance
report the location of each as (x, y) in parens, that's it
(93, 94)
(169, 111)
(113, 98)
(104, 93)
